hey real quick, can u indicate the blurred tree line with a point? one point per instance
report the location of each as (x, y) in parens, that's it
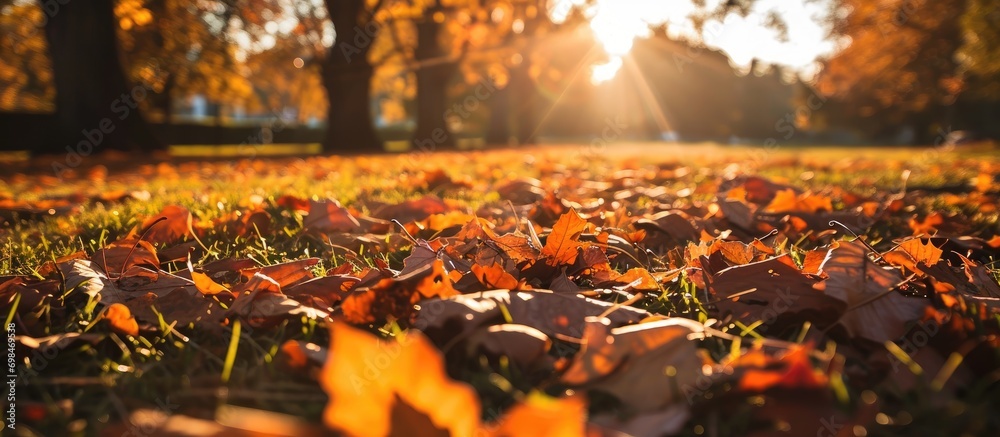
(916, 67)
(504, 70)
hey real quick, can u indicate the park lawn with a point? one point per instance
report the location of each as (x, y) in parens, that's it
(275, 211)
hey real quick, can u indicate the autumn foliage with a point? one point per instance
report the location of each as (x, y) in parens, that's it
(586, 304)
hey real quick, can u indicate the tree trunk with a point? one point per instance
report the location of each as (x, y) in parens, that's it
(432, 131)
(167, 103)
(347, 76)
(349, 125)
(434, 71)
(525, 104)
(512, 120)
(500, 132)
(96, 107)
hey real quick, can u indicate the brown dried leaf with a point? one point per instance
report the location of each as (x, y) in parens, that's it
(323, 292)
(329, 216)
(285, 274)
(523, 346)
(981, 278)
(175, 226)
(875, 311)
(554, 314)
(82, 275)
(120, 256)
(645, 365)
(262, 304)
(181, 305)
(775, 291)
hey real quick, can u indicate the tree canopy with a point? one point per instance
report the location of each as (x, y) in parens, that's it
(377, 70)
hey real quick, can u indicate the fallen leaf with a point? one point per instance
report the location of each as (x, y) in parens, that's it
(286, 274)
(495, 276)
(522, 346)
(875, 311)
(787, 200)
(792, 370)
(323, 292)
(262, 304)
(205, 284)
(121, 320)
(120, 256)
(543, 416)
(32, 292)
(562, 243)
(84, 276)
(329, 216)
(182, 306)
(981, 278)
(646, 366)
(367, 399)
(171, 225)
(669, 223)
(774, 292)
(739, 213)
(395, 297)
(638, 279)
(921, 251)
(554, 314)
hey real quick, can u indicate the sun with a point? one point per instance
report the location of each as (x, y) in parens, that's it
(617, 24)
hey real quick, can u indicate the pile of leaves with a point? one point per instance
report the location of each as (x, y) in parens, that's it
(651, 300)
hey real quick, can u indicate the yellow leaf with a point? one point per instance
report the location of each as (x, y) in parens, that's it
(205, 284)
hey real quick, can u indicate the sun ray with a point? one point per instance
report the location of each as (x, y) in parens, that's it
(580, 67)
(647, 95)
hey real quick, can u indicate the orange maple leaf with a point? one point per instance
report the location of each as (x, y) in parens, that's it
(562, 243)
(375, 387)
(382, 388)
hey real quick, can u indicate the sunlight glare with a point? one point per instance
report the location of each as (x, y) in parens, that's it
(604, 72)
(616, 24)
